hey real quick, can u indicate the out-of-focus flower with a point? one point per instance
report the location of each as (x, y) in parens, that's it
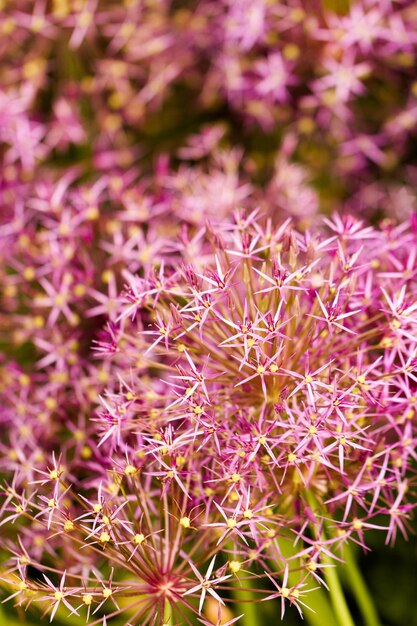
(104, 85)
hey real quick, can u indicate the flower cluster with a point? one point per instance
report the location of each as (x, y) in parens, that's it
(322, 99)
(203, 403)
(249, 409)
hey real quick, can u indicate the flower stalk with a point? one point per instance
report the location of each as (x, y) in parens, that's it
(338, 600)
(359, 588)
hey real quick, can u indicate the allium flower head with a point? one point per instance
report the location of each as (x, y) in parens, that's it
(258, 394)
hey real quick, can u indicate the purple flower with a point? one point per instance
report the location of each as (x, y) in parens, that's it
(266, 388)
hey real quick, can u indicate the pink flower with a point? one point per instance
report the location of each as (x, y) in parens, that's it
(261, 387)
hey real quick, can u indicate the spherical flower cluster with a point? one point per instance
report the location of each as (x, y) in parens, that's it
(246, 412)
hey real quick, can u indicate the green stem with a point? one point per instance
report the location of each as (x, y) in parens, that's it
(321, 611)
(359, 588)
(355, 582)
(247, 605)
(337, 596)
(167, 613)
(8, 619)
